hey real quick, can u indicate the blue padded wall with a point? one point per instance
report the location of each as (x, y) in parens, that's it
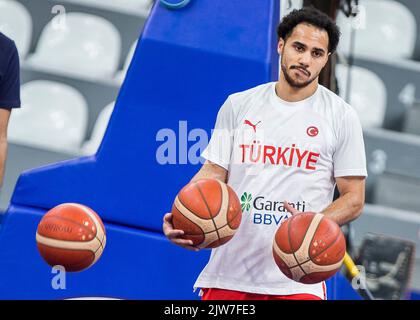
(135, 265)
(186, 64)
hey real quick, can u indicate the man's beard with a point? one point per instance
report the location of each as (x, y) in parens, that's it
(293, 83)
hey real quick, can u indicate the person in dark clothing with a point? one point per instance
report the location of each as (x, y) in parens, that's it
(9, 91)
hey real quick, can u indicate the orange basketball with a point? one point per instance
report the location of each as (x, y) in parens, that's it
(208, 211)
(309, 247)
(71, 235)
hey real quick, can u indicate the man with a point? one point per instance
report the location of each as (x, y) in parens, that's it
(9, 92)
(292, 140)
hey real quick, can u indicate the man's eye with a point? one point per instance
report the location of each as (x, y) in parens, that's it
(300, 49)
(317, 54)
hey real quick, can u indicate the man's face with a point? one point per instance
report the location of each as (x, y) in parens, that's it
(303, 55)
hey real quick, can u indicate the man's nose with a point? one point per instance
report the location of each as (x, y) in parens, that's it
(304, 59)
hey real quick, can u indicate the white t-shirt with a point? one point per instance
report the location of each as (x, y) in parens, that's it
(276, 150)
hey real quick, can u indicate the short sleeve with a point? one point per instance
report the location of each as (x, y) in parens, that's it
(219, 149)
(10, 82)
(349, 156)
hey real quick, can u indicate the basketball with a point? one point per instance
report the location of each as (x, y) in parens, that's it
(71, 235)
(309, 247)
(208, 211)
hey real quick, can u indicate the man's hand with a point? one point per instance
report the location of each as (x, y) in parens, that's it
(209, 170)
(289, 208)
(175, 235)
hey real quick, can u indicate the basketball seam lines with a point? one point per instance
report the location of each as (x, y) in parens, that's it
(71, 249)
(69, 220)
(227, 224)
(294, 253)
(100, 246)
(309, 247)
(100, 243)
(312, 239)
(239, 213)
(329, 246)
(221, 198)
(96, 221)
(310, 259)
(99, 225)
(179, 198)
(61, 244)
(208, 208)
(82, 262)
(202, 231)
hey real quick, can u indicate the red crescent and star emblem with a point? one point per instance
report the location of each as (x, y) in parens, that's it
(312, 131)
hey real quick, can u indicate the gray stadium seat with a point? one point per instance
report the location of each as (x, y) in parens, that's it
(139, 7)
(402, 81)
(412, 120)
(119, 77)
(392, 152)
(53, 116)
(16, 23)
(397, 191)
(65, 46)
(414, 7)
(97, 94)
(91, 146)
(379, 24)
(367, 94)
(129, 25)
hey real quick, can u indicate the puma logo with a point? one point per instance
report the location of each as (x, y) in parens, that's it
(254, 126)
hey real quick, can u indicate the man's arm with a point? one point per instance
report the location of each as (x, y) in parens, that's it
(210, 170)
(4, 120)
(9, 95)
(349, 205)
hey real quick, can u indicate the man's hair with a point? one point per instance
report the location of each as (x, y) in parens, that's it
(313, 17)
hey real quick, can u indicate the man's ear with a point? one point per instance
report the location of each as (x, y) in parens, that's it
(326, 60)
(280, 46)
(328, 57)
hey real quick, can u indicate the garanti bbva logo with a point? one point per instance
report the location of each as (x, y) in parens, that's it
(246, 201)
(267, 212)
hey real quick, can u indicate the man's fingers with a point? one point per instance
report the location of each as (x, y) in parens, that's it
(174, 233)
(167, 225)
(167, 217)
(167, 228)
(182, 242)
(187, 244)
(289, 208)
(192, 248)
